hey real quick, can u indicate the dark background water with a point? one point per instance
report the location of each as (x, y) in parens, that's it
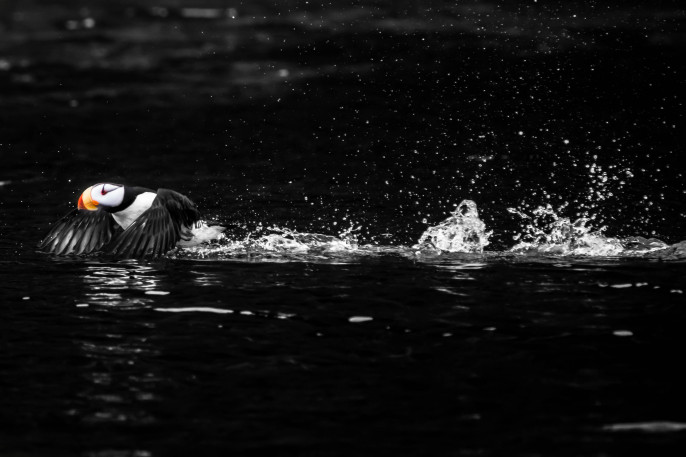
(382, 114)
(496, 359)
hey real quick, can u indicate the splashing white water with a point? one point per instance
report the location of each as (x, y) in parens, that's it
(276, 241)
(547, 232)
(203, 233)
(463, 231)
(292, 241)
(544, 232)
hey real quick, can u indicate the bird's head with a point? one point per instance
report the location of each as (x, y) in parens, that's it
(106, 195)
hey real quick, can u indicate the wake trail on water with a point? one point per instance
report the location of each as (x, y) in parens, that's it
(463, 233)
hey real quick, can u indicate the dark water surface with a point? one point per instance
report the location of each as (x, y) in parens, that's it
(460, 358)
(377, 115)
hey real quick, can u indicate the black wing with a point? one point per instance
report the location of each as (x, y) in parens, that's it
(182, 209)
(79, 232)
(158, 229)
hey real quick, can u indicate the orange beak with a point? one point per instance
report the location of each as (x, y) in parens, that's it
(86, 202)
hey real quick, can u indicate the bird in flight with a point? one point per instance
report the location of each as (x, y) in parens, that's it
(128, 222)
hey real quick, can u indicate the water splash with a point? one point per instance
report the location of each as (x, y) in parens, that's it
(203, 233)
(598, 190)
(544, 232)
(283, 239)
(604, 183)
(463, 231)
(547, 232)
(275, 241)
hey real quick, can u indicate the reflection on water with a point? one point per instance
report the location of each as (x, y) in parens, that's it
(120, 384)
(647, 427)
(463, 266)
(106, 284)
(205, 278)
(249, 346)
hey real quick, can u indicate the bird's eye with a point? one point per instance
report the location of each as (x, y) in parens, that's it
(106, 188)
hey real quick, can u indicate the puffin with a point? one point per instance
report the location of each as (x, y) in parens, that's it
(128, 221)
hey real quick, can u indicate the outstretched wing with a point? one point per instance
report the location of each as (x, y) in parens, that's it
(158, 229)
(79, 232)
(182, 209)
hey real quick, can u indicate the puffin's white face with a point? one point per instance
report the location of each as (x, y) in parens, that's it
(108, 195)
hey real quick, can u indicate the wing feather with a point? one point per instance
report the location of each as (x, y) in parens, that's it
(153, 233)
(183, 211)
(79, 232)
